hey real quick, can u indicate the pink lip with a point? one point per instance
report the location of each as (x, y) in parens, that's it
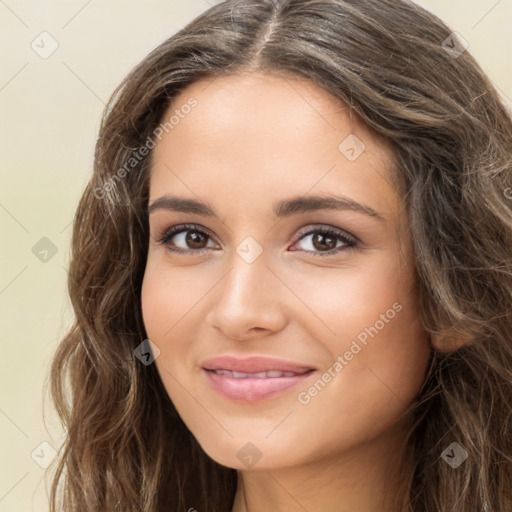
(253, 389)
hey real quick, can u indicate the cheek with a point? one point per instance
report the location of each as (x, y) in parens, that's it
(368, 322)
(165, 302)
(168, 296)
(166, 299)
(347, 302)
(378, 381)
(170, 302)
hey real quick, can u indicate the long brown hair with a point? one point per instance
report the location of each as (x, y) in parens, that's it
(406, 76)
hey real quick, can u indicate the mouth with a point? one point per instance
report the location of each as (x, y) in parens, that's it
(253, 379)
(272, 374)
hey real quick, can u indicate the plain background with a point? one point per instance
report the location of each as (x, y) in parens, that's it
(50, 110)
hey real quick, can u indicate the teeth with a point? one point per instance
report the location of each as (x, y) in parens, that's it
(258, 375)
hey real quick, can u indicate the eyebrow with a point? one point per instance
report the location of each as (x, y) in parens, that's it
(284, 208)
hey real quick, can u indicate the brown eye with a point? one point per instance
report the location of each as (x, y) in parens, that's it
(195, 239)
(325, 241)
(186, 238)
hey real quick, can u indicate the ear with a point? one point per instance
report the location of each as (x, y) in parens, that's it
(450, 340)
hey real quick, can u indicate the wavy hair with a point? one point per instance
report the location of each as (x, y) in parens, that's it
(400, 70)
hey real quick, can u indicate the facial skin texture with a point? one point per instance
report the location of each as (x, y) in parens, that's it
(253, 140)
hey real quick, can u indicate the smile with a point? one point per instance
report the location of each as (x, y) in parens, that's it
(253, 379)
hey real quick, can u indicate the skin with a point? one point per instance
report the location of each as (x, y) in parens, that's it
(252, 140)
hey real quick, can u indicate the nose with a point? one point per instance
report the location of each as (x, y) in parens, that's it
(249, 300)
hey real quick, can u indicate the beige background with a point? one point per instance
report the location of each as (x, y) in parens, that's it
(50, 110)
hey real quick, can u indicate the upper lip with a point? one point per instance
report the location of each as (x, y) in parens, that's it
(254, 365)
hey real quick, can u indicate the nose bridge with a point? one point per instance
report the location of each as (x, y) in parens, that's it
(248, 278)
(249, 296)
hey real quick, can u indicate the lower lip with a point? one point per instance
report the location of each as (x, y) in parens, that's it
(253, 389)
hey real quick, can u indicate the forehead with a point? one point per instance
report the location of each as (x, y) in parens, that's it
(287, 106)
(264, 134)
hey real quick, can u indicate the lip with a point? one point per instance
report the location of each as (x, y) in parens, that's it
(253, 389)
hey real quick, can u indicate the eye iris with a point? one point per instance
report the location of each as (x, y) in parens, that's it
(194, 239)
(322, 245)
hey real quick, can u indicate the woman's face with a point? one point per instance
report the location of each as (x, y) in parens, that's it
(258, 167)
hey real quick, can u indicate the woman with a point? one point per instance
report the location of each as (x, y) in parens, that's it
(291, 272)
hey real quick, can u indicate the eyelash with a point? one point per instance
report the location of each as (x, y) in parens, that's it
(350, 242)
